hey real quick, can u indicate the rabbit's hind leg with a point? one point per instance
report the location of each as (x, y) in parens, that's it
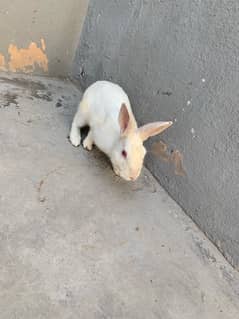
(88, 141)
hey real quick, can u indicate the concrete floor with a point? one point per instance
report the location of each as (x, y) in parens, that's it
(78, 242)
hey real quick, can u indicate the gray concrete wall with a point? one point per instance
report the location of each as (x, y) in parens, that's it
(178, 60)
(40, 36)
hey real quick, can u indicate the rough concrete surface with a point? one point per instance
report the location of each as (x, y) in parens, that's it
(78, 242)
(178, 60)
(58, 23)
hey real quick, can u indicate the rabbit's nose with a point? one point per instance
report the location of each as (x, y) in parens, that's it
(134, 175)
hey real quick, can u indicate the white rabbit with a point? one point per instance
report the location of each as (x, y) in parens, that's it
(106, 109)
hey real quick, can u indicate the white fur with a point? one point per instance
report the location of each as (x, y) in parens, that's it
(99, 109)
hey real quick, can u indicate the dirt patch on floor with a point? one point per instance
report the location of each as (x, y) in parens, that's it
(32, 88)
(7, 99)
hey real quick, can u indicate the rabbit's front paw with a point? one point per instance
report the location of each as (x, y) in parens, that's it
(75, 139)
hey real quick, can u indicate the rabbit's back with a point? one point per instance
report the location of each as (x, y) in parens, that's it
(104, 100)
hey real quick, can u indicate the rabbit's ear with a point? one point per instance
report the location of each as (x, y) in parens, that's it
(152, 129)
(124, 120)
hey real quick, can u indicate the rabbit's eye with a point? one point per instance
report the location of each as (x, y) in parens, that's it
(124, 153)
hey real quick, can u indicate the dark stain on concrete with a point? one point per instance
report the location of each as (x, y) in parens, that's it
(33, 88)
(167, 93)
(59, 103)
(46, 96)
(7, 99)
(24, 83)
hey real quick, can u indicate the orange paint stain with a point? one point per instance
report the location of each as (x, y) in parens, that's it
(26, 60)
(2, 63)
(43, 44)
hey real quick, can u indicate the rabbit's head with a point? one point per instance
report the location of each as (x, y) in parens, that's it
(128, 154)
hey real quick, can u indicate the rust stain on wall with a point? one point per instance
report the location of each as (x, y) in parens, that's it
(2, 63)
(160, 149)
(26, 60)
(177, 159)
